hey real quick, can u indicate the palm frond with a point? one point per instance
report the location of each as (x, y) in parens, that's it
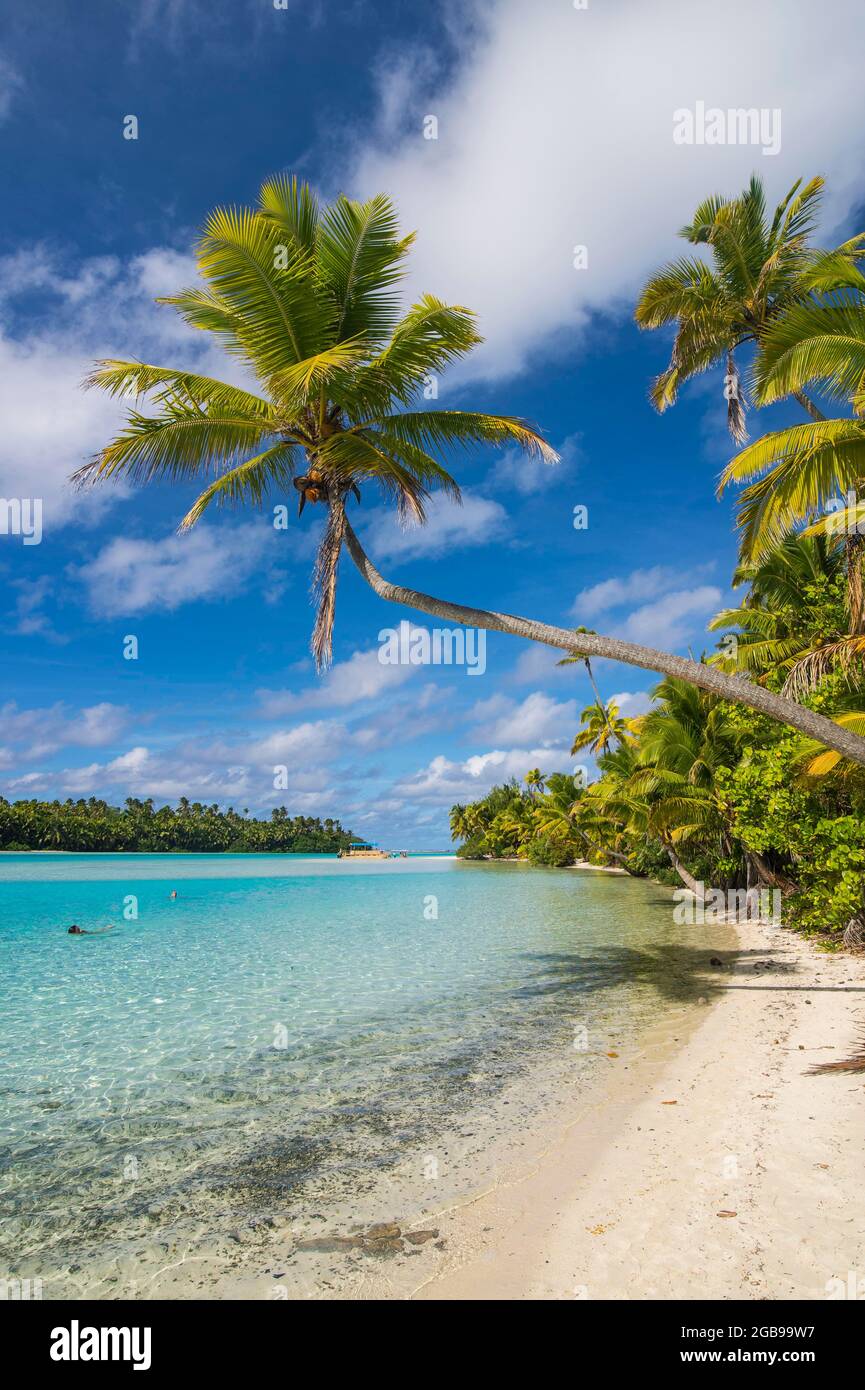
(248, 482)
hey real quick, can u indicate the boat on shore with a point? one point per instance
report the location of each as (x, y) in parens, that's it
(366, 849)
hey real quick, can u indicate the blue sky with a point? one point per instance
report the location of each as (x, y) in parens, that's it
(554, 130)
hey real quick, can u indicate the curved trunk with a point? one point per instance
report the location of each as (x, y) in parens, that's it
(735, 688)
(767, 877)
(687, 878)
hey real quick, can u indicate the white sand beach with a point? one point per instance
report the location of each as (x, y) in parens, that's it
(715, 1169)
(707, 1164)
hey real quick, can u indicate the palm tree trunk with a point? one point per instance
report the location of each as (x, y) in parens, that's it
(601, 706)
(687, 878)
(855, 597)
(324, 581)
(598, 699)
(735, 688)
(767, 877)
(808, 405)
(854, 933)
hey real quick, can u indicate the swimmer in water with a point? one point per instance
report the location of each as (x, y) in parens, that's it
(173, 893)
(75, 930)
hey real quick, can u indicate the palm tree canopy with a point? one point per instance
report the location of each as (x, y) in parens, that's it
(758, 268)
(810, 473)
(794, 608)
(601, 725)
(306, 299)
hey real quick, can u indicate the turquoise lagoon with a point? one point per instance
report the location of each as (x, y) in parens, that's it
(291, 1036)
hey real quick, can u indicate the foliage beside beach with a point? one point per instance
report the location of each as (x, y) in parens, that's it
(93, 825)
(696, 791)
(704, 790)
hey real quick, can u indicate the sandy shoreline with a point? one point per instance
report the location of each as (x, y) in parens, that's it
(749, 1186)
(703, 1162)
(627, 1205)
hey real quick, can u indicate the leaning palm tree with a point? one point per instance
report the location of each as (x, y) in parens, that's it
(553, 813)
(305, 299)
(758, 269)
(684, 740)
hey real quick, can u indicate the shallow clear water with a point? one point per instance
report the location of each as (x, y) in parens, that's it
(288, 1031)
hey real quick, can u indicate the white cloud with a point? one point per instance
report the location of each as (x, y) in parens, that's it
(555, 130)
(242, 770)
(669, 622)
(514, 472)
(40, 732)
(479, 521)
(11, 82)
(103, 308)
(362, 677)
(538, 663)
(632, 703)
(612, 593)
(538, 719)
(136, 576)
(318, 741)
(445, 782)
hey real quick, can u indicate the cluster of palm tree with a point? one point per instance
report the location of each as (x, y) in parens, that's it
(93, 825)
(335, 378)
(535, 823)
(335, 382)
(802, 310)
(700, 789)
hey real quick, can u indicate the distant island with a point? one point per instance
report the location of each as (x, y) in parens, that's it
(94, 826)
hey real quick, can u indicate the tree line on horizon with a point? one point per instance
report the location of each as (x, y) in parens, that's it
(94, 826)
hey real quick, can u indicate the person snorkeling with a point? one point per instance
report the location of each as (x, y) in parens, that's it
(75, 930)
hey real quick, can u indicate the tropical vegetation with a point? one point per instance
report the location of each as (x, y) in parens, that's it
(336, 381)
(748, 768)
(93, 826)
(704, 790)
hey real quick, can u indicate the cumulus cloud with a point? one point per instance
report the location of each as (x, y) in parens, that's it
(630, 588)
(555, 130)
(239, 770)
(36, 733)
(449, 526)
(537, 663)
(139, 576)
(513, 472)
(444, 782)
(54, 322)
(632, 703)
(671, 620)
(538, 718)
(361, 677)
